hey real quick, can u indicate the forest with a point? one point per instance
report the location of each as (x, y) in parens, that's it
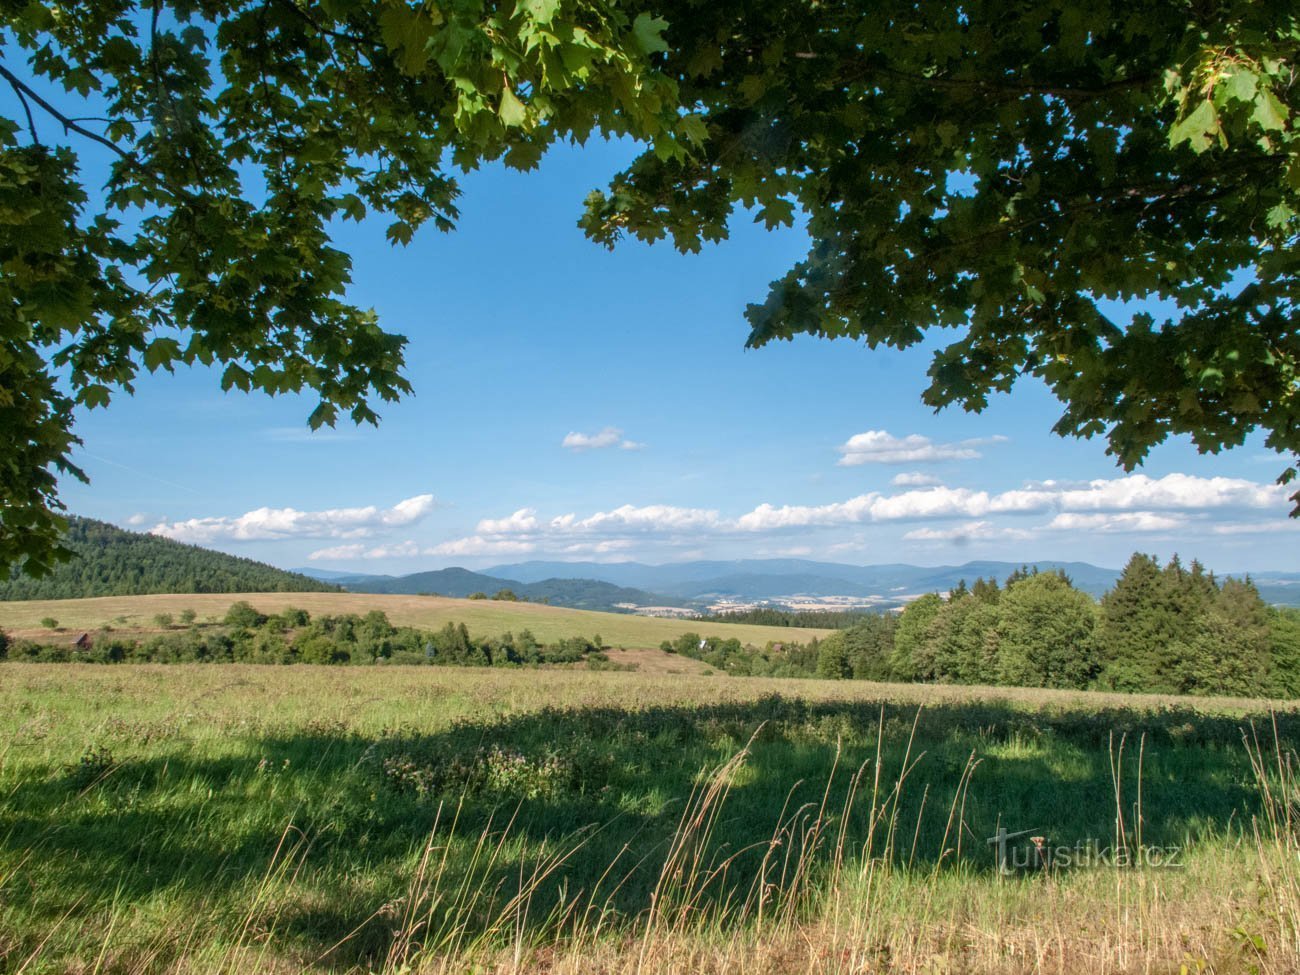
(108, 561)
(1169, 629)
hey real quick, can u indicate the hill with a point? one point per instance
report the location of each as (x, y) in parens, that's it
(483, 617)
(113, 562)
(458, 583)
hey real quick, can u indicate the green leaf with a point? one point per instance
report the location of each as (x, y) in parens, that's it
(160, 353)
(1199, 129)
(541, 11)
(693, 129)
(1270, 114)
(1241, 85)
(93, 396)
(512, 110)
(648, 32)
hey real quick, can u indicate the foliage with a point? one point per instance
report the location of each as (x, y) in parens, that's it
(238, 133)
(293, 636)
(830, 619)
(108, 561)
(958, 167)
(1016, 176)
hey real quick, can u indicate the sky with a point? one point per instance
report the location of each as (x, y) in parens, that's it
(573, 403)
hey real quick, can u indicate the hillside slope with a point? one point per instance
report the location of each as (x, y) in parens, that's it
(483, 617)
(113, 562)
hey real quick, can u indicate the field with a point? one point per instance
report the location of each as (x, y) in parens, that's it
(484, 617)
(227, 818)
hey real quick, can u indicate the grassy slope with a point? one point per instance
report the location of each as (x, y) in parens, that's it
(483, 617)
(162, 845)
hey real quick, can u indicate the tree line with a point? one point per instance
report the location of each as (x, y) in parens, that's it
(294, 636)
(818, 619)
(1169, 629)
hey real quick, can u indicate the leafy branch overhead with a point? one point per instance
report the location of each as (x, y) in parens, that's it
(169, 175)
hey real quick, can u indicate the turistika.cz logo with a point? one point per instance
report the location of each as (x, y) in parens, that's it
(1027, 849)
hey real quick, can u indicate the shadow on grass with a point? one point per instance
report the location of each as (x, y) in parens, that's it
(607, 789)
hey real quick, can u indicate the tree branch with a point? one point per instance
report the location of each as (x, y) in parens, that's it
(69, 125)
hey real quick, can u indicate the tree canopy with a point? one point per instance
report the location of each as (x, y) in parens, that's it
(1015, 173)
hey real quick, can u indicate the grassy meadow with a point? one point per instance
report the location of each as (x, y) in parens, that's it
(237, 818)
(483, 617)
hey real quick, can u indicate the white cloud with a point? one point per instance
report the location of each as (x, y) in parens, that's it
(479, 545)
(263, 524)
(650, 518)
(605, 438)
(137, 519)
(342, 553)
(967, 532)
(1134, 503)
(1255, 527)
(1123, 522)
(882, 447)
(523, 520)
(914, 479)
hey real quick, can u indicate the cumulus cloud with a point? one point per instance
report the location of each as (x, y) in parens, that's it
(263, 524)
(967, 532)
(914, 479)
(650, 518)
(356, 550)
(602, 439)
(1134, 503)
(137, 519)
(882, 447)
(1125, 522)
(523, 520)
(480, 545)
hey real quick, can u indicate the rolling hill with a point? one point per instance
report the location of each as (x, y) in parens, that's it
(113, 562)
(483, 617)
(458, 583)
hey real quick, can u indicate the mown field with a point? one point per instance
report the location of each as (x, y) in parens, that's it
(484, 617)
(198, 818)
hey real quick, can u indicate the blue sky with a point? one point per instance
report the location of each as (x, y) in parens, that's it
(681, 444)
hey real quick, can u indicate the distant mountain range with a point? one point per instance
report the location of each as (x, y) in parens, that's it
(459, 583)
(111, 562)
(757, 579)
(601, 585)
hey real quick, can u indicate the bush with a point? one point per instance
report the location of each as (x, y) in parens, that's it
(163, 620)
(242, 614)
(50, 623)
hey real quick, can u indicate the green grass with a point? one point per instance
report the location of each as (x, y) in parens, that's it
(240, 817)
(484, 617)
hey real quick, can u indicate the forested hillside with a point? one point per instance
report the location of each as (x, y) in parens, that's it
(112, 562)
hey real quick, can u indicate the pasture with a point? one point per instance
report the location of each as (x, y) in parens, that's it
(484, 617)
(235, 818)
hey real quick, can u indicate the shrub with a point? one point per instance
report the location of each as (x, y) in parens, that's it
(50, 623)
(242, 614)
